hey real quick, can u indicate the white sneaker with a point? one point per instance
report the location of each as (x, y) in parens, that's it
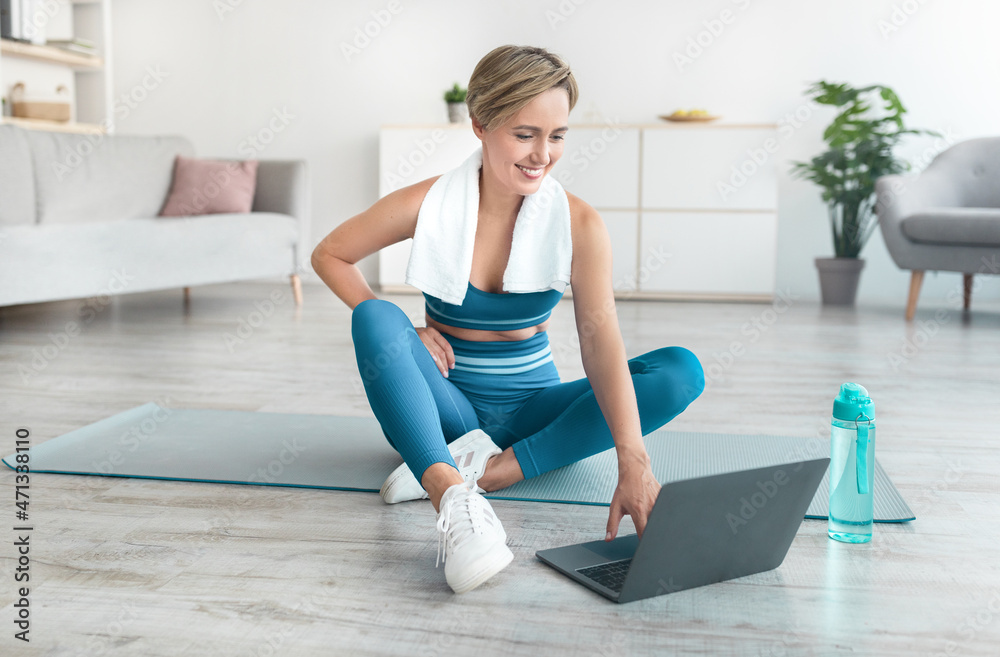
(475, 544)
(471, 451)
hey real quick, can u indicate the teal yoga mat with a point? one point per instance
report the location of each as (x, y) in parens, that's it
(351, 453)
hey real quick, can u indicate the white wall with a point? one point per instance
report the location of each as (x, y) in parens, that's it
(224, 74)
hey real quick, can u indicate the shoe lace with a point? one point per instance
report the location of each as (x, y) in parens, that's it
(452, 511)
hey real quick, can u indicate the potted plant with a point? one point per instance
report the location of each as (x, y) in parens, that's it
(458, 111)
(861, 139)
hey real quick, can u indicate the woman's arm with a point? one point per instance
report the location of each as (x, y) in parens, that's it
(606, 366)
(391, 219)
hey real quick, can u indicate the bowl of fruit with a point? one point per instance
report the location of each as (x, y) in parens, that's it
(689, 115)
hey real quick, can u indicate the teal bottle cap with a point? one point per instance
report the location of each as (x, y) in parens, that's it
(853, 401)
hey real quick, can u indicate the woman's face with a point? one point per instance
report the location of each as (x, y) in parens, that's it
(520, 153)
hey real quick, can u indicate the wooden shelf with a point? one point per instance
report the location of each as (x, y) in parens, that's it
(51, 55)
(54, 126)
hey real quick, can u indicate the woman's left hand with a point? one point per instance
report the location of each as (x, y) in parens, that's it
(634, 496)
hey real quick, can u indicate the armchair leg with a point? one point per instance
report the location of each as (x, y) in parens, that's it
(916, 280)
(966, 290)
(297, 289)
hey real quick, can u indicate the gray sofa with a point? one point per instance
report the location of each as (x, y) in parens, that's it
(78, 218)
(946, 218)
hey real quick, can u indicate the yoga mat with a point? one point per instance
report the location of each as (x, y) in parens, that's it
(351, 453)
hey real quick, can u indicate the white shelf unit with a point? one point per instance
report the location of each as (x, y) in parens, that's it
(43, 68)
(691, 208)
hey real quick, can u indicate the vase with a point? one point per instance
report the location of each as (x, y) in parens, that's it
(458, 112)
(838, 280)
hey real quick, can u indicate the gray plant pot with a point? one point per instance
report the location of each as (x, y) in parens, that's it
(458, 112)
(838, 280)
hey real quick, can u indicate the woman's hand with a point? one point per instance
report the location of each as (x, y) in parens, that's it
(440, 350)
(635, 495)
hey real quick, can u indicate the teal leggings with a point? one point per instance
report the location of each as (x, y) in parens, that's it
(548, 423)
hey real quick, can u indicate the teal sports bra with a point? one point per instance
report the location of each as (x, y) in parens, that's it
(492, 311)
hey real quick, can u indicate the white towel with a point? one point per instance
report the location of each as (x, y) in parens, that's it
(440, 262)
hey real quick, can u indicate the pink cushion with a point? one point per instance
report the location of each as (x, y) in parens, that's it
(210, 187)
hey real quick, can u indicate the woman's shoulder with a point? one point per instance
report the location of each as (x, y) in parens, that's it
(396, 213)
(591, 246)
(590, 235)
(413, 195)
(404, 203)
(581, 214)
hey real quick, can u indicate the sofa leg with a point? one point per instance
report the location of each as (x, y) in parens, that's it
(966, 290)
(187, 296)
(297, 289)
(916, 280)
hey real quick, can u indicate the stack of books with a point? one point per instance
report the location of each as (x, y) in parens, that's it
(20, 20)
(76, 45)
(31, 20)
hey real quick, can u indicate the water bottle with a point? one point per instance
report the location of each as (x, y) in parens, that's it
(852, 465)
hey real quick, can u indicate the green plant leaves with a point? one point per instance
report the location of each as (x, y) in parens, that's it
(861, 139)
(455, 95)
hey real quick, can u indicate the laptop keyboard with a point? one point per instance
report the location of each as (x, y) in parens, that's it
(610, 575)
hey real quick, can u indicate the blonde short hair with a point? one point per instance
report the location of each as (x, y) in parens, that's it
(510, 77)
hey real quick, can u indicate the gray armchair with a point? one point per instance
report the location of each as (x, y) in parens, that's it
(946, 218)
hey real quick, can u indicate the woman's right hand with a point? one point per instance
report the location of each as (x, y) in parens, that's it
(440, 350)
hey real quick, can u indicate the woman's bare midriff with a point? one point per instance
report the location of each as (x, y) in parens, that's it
(479, 335)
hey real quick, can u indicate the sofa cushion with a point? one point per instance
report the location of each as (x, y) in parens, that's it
(210, 187)
(963, 226)
(89, 178)
(68, 261)
(18, 203)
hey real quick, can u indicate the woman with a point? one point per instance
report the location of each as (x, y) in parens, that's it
(473, 401)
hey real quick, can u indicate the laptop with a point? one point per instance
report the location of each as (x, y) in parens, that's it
(700, 531)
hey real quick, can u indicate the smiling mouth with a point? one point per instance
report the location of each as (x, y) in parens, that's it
(531, 173)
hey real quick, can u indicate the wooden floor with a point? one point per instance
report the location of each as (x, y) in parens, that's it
(146, 567)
